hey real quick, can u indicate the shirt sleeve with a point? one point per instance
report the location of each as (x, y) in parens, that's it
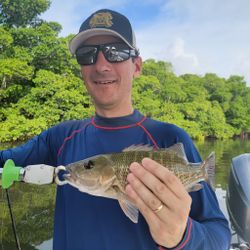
(38, 150)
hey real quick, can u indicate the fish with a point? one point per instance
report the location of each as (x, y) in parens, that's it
(105, 174)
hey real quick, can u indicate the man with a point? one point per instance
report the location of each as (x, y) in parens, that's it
(170, 217)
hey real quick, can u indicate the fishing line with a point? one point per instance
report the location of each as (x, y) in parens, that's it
(18, 246)
(2, 215)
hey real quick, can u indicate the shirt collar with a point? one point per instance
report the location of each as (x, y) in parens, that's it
(122, 121)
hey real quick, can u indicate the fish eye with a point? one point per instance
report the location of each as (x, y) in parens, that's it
(89, 165)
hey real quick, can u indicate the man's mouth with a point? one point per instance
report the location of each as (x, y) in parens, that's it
(105, 82)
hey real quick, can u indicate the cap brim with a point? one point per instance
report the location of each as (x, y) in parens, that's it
(79, 39)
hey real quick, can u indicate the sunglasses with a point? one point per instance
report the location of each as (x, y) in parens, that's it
(113, 53)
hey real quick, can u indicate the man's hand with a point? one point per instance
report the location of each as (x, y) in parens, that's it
(161, 198)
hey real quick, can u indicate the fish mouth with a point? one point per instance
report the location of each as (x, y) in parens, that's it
(68, 177)
(78, 181)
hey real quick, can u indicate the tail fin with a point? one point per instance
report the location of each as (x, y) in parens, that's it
(209, 170)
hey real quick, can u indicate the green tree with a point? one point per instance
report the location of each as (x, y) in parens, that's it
(209, 117)
(53, 99)
(16, 13)
(170, 113)
(172, 89)
(218, 90)
(194, 88)
(237, 85)
(12, 69)
(145, 95)
(6, 41)
(158, 69)
(238, 113)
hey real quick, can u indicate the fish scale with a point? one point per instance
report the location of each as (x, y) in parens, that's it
(179, 166)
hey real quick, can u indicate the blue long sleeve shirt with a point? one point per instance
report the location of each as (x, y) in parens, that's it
(87, 222)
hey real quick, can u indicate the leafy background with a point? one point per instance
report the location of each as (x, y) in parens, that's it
(40, 84)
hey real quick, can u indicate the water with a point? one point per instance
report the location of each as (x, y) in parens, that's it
(33, 206)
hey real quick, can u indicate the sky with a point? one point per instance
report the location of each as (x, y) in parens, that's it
(196, 36)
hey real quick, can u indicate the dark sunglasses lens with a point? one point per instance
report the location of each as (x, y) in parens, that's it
(86, 55)
(116, 52)
(113, 52)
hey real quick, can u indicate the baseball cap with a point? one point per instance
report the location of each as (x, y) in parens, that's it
(104, 22)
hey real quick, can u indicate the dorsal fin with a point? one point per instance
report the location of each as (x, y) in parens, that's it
(140, 147)
(179, 149)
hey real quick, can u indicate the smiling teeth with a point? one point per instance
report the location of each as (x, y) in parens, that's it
(105, 82)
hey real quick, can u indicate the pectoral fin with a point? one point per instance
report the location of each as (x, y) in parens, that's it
(129, 209)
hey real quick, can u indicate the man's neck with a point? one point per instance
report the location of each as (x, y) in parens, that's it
(112, 112)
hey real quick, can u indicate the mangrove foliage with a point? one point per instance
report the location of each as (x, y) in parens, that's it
(40, 84)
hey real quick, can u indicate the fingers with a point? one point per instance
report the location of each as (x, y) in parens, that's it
(146, 211)
(171, 181)
(161, 198)
(151, 206)
(152, 201)
(164, 222)
(162, 183)
(156, 185)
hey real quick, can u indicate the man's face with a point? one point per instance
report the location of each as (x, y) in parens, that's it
(110, 84)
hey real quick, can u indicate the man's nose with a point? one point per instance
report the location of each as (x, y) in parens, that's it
(101, 63)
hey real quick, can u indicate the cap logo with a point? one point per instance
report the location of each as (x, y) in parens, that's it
(101, 19)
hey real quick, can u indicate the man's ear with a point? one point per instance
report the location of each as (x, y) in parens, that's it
(138, 66)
